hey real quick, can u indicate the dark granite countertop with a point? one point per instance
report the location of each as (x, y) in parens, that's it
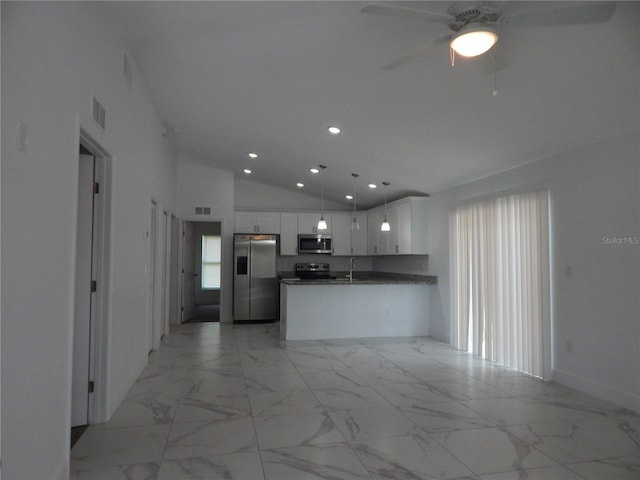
(365, 278)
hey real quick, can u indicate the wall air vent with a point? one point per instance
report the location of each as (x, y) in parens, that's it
(99, 114)
(203, 210)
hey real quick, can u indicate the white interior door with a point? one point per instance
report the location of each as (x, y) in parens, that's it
(174, 277)
(166, 263)
(189, 272)
(151, 328)
(83, 294)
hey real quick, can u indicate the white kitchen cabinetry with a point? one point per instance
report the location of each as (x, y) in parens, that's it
(289, 233)
(347, 240)
(377, 240)
(258, 222)
(408, 220)
(308, 223)
(359, 235)
(341, 236)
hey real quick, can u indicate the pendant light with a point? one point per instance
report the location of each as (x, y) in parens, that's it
(322, 223)
(385, 227)
(354, 223)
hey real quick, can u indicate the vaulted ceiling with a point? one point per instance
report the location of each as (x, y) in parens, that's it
(269, 77)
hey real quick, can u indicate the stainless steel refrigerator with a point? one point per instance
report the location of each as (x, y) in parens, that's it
(255, 279)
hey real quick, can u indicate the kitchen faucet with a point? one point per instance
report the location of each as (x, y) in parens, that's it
(352, 265)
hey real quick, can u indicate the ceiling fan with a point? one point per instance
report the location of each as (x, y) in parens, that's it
(476, 25)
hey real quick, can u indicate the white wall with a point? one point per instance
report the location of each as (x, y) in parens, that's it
(249, 194)
(595, 195)
(202, 186)
(55, 56)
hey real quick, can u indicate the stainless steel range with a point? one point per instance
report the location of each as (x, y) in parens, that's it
(313, 271)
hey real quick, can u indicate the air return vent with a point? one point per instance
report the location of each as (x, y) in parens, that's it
(203, 210)
(99, 114)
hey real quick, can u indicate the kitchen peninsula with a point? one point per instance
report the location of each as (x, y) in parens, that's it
(372, 305)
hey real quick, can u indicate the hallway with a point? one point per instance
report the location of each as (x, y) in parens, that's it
(219, 401)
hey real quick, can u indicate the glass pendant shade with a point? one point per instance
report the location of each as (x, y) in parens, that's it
(322, 224)
(474, 42)
(385, 227)
(354, 224)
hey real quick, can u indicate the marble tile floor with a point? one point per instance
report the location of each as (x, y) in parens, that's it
(219, 401)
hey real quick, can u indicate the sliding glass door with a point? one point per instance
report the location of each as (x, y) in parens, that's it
(500, 281)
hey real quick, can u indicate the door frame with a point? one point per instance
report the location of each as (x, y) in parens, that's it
(188, 242)
(101, 266)
(174, 269)
(153, 330)
(166, 272)
(180, 273)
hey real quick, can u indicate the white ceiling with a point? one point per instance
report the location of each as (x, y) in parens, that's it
(269, 77)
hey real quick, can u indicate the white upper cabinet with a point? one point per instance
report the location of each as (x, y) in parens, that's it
(359, 234)
(377, 240)
(258, 222)
(289, 233)
(408, 221)
(348, 240)
(308, 223)
(407, 218)
(341, 236)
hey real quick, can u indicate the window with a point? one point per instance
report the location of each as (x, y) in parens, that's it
(500, 281)
(210, 262)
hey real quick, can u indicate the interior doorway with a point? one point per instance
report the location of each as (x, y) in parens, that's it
(203, 275)
(91, 281)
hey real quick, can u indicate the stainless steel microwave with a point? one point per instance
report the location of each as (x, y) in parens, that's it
(314, 243)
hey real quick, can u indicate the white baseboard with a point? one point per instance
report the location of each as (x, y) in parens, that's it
(624, 399)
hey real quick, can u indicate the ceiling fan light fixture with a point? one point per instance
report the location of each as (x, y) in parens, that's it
(472, 42)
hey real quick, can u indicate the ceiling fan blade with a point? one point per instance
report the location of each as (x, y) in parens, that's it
(415, 53)
(552, 15)
(391, 10)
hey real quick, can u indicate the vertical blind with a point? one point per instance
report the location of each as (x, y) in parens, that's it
(500, 281)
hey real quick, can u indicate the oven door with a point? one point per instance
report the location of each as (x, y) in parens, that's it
(309, 243)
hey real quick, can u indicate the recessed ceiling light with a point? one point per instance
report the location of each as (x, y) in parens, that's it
(372, 185)
(333, 130)
(247, 171)
(348, 197)
(253, 155)
(299, 184)
(314, 170)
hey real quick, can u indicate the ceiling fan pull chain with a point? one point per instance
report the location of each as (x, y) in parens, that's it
(452, 56)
